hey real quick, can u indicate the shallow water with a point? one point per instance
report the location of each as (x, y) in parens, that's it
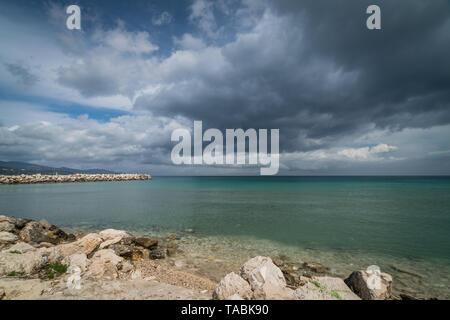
(401, 224)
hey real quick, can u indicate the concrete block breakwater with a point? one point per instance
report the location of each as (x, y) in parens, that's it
(38, 178)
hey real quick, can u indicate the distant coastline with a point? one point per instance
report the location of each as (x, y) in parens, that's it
(38, 178)
(18, 168)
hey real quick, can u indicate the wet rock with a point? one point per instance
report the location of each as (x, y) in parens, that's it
(171, 237)
(20, 223)
(171, 252)
(147, 242)
(362, 283)
(137, 255)
(122, 250)
(292, 274)
(315, 268)
(127, 252)
(293, 279)
(157, 254)
(231, 285)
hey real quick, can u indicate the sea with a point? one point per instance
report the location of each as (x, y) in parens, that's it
(401, 224)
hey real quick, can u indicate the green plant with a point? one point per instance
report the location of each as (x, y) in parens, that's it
(325, 290)
(15, 252)
(15, 273)
(55, 268)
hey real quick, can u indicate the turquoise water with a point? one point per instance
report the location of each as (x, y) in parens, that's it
(389, 221)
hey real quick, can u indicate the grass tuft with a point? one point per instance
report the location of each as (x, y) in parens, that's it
(55, 269)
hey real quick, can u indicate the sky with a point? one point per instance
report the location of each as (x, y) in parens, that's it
(347, 100)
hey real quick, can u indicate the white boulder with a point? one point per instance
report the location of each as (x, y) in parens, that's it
(231, 285)
(252, 264)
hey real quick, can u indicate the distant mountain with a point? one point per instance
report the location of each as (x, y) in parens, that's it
(15, 168)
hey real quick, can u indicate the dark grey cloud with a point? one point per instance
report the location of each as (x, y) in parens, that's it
(21, 73)
(316, 72)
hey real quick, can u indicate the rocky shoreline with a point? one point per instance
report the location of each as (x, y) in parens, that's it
(40, 261)
(38, 178)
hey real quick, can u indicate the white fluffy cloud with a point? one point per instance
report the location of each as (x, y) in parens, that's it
(120, 40)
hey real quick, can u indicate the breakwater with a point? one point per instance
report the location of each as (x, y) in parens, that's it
(38, 178)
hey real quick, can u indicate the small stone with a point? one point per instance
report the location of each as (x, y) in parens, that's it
(171, 251)
(171, 237)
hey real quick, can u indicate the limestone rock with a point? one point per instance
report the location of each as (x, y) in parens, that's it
(28, 262)
(7, 238)
(360, 283)
(230, 285)
(6, 226)
(325, 288)
(21, 247)
(118, 236)
(252, 264)
(79, 260)
(104, 264)
(7, 219)
(268, 283)
(86, 245)
(266, 273)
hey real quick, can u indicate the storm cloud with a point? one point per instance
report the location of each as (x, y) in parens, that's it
(342, 95)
